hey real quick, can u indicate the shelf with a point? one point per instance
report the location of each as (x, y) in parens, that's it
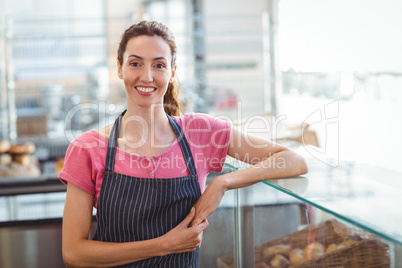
(46, 183)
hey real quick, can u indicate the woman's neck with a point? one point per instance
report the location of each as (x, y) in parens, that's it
(145, 124)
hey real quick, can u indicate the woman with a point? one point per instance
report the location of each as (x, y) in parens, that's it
(145, 172)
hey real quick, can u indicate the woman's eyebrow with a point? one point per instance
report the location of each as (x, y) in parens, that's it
(135, 56)
(159, 58)
(141, 58)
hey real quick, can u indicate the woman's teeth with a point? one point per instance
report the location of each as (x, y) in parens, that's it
(145, 89)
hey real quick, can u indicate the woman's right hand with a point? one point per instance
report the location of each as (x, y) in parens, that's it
(183, 238)
(78, 251)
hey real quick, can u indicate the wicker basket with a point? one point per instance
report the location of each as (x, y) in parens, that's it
(368, 252)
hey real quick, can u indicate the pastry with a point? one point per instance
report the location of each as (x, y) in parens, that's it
(32, 170)
(17, 149)
(5, 159)
(331, 248)
(279, 261)
(261, 265)
(58, 167)
(351, 239)
(23, 159)
(313, 250)
(277, 249)
(29, 147)
(334, 247)
(296, 256)
(349, 242)
(16, 170)
(4, 146)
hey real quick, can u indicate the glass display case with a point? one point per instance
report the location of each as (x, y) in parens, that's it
(343, 216)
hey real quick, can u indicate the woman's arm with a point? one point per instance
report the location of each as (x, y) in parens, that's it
(268, 159)
(78, 251)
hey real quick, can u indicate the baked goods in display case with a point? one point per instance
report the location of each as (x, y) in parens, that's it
(16, 160)
(59, 164)
(319, 246)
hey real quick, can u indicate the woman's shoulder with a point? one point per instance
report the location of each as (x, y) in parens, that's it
(91, 139)
(201, 120)
(105, 132)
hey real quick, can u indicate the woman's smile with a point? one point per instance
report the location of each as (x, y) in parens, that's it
(145, 91)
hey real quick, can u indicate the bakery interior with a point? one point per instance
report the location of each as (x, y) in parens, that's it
(322, 77)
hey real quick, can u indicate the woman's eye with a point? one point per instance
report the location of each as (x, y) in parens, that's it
(160, 65)
(134, 64)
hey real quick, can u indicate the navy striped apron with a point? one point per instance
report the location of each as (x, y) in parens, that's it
(135, 209)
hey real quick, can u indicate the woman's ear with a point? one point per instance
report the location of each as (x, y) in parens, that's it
(173, 74)
(119, 70)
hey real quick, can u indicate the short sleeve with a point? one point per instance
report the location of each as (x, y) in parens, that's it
(78, 167)
(212, 136)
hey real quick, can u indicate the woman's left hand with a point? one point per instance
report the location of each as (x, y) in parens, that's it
(209, 200)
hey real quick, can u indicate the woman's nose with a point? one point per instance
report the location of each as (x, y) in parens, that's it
(146, 75)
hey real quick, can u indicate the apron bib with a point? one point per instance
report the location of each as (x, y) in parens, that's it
(136, 209)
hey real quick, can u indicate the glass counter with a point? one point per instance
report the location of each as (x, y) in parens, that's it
(343, 216)
(365, 196)
(327, 206)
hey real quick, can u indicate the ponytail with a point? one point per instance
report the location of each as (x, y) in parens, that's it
(171, 100)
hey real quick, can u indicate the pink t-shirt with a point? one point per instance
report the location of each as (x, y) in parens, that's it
(208, 137)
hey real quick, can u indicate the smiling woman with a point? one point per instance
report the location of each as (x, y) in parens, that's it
(146, 70)
(147, 176)
(157, 30)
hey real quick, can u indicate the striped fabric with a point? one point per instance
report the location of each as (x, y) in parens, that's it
(135, 209)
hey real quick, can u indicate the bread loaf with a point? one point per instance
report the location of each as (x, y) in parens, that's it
(313, 250)
(277, 249)
(23, 159)
(261, 264)
(5, 159)
(30, 147)
(17, 149)
(4, 146)
(279, 261)
(296, 256)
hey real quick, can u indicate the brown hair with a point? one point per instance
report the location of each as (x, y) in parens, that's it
(171, 103)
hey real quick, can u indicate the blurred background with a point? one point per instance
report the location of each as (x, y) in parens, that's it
(284, 59)
(236, 59)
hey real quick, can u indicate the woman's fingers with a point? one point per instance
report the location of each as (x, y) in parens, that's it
(183, 238)
(202, 226)
(188, 219)
(209, 201)
(201, 210)
(199, 218)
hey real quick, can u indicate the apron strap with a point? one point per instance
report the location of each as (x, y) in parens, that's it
(185, 147)
(112, 144)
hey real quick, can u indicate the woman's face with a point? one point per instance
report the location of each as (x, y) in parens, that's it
(146, 69)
